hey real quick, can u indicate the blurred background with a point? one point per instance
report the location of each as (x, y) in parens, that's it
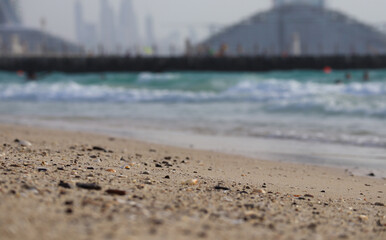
(175, 27)
(318, 116)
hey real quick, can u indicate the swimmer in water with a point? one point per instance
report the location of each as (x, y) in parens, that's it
(366, 76)
(338, 82)
(348, 76)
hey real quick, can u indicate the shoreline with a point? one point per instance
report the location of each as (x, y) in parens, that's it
(357, 160)
(152, 191)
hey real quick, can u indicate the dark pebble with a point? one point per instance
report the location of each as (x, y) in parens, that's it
(379, 204)
(371, 175)
(89, 186)
(69, 211)
(202, 235)
(16, 140)
(167, 177)
(157, 221)
(93, 156)
(343, 236)
(90, 168)
(146, 173)
(309, 195)
(116, 192)
(96, 148)
(222, 188)
(323, 191)
(167, 158)
(158, 165)
(312, 226)
(69, 202)
(42, 169)
(64, 185)
(249, 206)
(60, 169)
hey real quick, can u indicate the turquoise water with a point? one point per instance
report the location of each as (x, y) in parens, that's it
(304, 106)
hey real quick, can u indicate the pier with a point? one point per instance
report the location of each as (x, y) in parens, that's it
(75, 64)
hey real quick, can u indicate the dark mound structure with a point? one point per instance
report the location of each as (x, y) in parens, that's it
(298, 29)
(15, 39)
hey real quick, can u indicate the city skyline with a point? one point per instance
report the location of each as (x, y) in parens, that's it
(182, 17)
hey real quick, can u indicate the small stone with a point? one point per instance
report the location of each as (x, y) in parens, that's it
(250, 215)
(64, 185)
(260, 191)
(90, 168)
(69, 211)
(167, 177)
(158, 165)
(42, 169)
(379, 204)
(96, 148)
(312, 226)
(343, 236)
(371, 175)
(309, 195)
(218, 187)
(363, 217)
(88, 186)
(111, 170)
(190, 182)
(145, 173)
(116, 192)
(23, 143)
(127, 167)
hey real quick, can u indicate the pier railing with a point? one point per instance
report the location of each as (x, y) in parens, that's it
(77, 64)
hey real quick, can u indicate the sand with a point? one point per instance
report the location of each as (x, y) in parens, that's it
(73, 185)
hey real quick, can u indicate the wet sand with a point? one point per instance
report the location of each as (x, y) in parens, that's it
(73, 185)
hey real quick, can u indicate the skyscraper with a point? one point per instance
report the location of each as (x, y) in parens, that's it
(107, 28)
(79, 22)
(9, 13)
(150, 37)
(128, 28)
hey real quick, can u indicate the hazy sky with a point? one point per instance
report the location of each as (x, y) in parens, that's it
(171, 15)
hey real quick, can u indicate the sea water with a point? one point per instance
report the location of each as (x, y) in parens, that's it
(292, 115)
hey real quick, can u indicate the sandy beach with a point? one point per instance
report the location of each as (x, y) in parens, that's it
(73, 185)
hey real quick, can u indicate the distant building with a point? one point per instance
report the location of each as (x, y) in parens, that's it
(297, 27)
(150, 35)
(316, 3)
(108, 35)
(86, 33)
(9, 14)
(79, 22)
(16, 39)
(128, 28)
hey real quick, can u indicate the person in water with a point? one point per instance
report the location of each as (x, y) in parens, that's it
(366, 76)
(348, 76)
(338, 81)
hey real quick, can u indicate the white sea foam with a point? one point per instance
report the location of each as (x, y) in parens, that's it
(271, 94)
